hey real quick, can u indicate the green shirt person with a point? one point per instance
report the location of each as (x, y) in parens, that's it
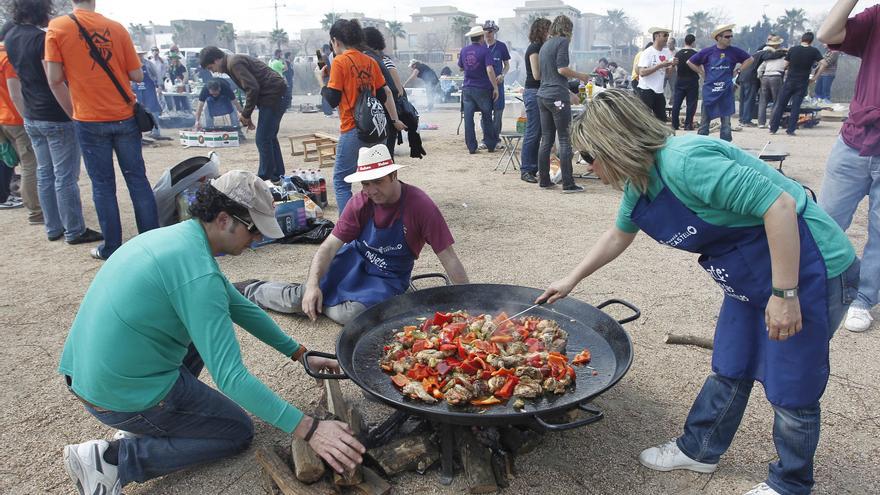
(157, 312)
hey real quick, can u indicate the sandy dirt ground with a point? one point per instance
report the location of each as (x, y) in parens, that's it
(506, 231)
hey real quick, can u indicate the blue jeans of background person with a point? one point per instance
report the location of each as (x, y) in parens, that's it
(478, 100)
(98, 141)
(793, 91)
(726, 133)
(685, 90)
(716, 413)
(268, 123)
(346, 163)
(748, 104)
(555, 122)
(497, 112)
(848, 179)
(532, 138)
(823, 86)
(58, 157)
(192, 425)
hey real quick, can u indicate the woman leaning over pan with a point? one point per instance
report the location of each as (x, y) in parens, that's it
(787, 271)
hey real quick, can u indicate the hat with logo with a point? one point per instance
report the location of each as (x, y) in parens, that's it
(475, 31)
(721, 29)
(251, 192)
(490, 26)
(373, 163)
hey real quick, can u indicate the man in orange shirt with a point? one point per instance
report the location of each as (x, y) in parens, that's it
(104, 121)
(12, 130)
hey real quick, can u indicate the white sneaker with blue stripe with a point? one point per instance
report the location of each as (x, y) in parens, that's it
(87, 468)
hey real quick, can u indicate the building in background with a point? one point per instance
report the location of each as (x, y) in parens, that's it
(435, 35)
(192, 33)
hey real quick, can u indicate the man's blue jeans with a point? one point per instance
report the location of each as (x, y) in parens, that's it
(98, 141)
(748, 105)
(848, 179)
(192, 425)
(497, 113)
(793, 91)
(716, 413)
(823, 86)
(532, 138)
(346, 163)
(726, 131)
(478, 100)
(268, 123)
(686, 90)
(58, 157)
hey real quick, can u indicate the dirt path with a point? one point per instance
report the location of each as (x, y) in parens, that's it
(506, 231)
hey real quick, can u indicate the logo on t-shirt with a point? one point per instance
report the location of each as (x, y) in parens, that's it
(104, 45)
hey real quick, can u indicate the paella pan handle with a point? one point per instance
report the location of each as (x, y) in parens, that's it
(442, 276)
(320, 375)
(637, 312)
(595, 415)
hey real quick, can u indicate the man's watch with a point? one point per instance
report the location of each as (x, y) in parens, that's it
(299, 353)
(785, 293)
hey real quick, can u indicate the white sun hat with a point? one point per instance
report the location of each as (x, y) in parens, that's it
(475, 31)
(373, 163)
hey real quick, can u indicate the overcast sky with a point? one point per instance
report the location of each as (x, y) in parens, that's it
(294, 15)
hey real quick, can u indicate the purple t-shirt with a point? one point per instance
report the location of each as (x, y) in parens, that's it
(422, 220)
(862, 129)
(474, 59)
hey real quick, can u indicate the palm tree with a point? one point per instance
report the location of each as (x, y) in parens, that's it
(226, 34)
(395, 28)
(793, 21)
(279, 37)
(328, 20)
(460, 26)
(619, 27)
(138, 32)
(527, 23)
(179, 32)
(700, 23)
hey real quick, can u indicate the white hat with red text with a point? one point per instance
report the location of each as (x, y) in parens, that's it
(373, 163)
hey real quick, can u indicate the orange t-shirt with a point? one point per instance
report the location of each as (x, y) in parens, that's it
(8, 114)
(348, 73)
(95, 98)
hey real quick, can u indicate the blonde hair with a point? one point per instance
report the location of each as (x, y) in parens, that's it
(617, 128)
(562, 26)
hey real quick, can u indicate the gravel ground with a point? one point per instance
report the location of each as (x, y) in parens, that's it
(507, 231)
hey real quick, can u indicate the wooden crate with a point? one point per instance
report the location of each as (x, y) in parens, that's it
(316, 147)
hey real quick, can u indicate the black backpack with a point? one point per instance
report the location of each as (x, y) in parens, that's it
(369, 116)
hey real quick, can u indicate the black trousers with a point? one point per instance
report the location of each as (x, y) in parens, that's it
(5, 179)
(685, 90)
(656, 102)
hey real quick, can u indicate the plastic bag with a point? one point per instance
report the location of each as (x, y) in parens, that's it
(320, 230)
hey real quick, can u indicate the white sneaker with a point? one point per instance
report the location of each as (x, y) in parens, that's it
(668, 457)
(125, 435)
(762, 489)
(858, 319)
(86, 467)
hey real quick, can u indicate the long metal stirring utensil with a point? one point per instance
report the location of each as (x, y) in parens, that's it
(533, 307)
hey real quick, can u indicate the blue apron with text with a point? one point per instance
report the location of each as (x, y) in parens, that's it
(718, 88)
(794, 372)
(373, 268)
(145, 93)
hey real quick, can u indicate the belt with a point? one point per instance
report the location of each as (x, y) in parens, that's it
(772, 75)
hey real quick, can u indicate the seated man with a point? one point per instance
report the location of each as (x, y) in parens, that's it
(157, 312)
(369, 256)
(219, 103)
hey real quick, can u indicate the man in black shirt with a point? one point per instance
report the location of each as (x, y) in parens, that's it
(47, 125)
(800, 63)
(429, 79)
(687, 85)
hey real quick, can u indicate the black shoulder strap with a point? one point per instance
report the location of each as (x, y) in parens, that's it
(96, 56)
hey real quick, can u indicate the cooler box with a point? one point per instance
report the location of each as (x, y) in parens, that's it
(209, 139)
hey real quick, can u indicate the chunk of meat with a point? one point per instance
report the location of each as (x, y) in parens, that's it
(529, 372)
(403, 365)
(428, 354)
(558, 345)
(458, 395)
(415, 390)
(553, 385)
(481, 388)
(513, 348)
(528, 387)
(496, 382)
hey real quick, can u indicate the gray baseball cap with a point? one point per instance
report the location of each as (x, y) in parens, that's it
(250, 191)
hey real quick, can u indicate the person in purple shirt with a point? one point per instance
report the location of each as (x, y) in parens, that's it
(851, 172)
(501, 64)
(715, 65)
(479, 90)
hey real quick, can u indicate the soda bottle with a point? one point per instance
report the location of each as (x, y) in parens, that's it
(323, 189)
(582, 93)
(590, 90)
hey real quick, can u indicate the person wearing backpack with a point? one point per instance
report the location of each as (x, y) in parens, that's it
(358, 89)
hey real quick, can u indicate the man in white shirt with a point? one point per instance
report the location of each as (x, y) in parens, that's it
(655, 64)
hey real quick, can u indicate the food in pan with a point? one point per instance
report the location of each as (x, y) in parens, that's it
(480, 360)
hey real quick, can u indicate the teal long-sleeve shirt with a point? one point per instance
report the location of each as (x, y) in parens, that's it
(728, 187)
(157, 294)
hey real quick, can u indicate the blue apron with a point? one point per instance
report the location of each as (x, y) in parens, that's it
(718, 87)
(498, 66)
(145, 92)
(794, 371)
(373, 268)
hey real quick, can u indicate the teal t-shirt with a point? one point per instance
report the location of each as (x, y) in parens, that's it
(157, 294)
(726, 186)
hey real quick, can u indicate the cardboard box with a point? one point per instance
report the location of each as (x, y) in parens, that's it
(209, 139)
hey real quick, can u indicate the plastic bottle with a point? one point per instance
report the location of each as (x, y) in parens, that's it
(322, 183)
(590, 90)
(582, 92)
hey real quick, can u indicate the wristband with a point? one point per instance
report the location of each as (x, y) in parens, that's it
(312, 429)
(785, 293)
(299, 353)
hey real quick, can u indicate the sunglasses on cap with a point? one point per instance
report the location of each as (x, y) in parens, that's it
(250, 226)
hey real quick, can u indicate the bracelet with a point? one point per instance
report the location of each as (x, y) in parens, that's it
(785, 293)
(299, 353)
(312, 429)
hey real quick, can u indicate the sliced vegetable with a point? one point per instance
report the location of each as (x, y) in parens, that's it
(400, 380)
(582, 358)
(488, 401)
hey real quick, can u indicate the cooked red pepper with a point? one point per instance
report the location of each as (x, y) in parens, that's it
(503, 372)
(400, 380)
(448, 347)
(467, 368)
(582, 358)
(501, 339)
(441, 319)
(507, 389)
